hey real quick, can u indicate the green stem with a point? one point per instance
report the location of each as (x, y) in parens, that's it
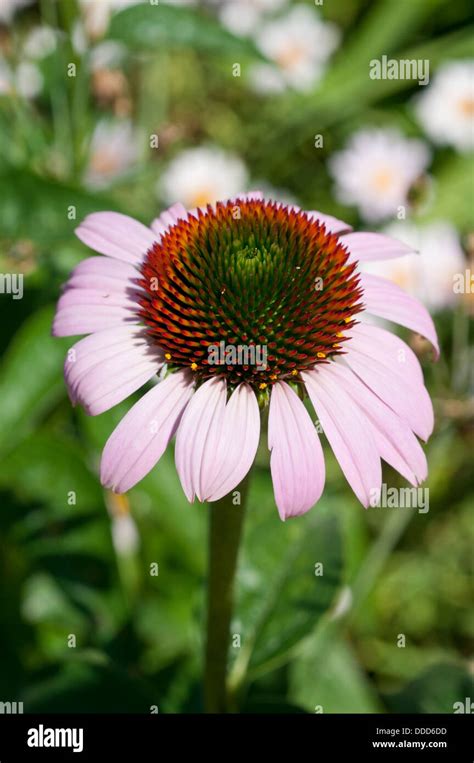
(225, 530)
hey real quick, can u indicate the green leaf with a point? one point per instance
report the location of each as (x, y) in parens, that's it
(454, 186)
(437, 690)
(384, 28)
(289, 575)
(46, 468)
(152, 27)
(41, 208)
(91, 539)
(45, 601)
(88, 682)
(348, 91)
(342, 687)
(97, 429)
(168, 625)
(178, 522)
(31, 380)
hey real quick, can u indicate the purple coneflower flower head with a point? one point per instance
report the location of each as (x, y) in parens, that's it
(178, 301)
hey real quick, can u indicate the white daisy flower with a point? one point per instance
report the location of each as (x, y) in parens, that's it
(299, 44)
(79, 38)
(376, 171)
(114, 149)
(200, 176)
(446, 108)
(266, 78)
(40, 42)
(5, 77)
(429, 274)
(242, 16)
(107, 55)
(28, 80)
(8, 9)
(97, 13)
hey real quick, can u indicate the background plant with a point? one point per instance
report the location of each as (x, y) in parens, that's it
(78, 562)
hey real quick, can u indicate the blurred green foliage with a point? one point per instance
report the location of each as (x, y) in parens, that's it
(308, 642)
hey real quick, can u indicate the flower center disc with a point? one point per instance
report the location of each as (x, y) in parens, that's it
(250, 290)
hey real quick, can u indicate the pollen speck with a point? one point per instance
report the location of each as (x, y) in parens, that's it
(167, 356)
(262, 385)
(194, 366)
(321, 354)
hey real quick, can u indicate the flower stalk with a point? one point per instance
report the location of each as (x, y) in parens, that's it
(225, 531)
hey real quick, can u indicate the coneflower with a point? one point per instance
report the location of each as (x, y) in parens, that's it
(248, 273)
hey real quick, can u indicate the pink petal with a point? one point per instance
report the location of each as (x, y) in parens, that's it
(297, 461)
(168, 218)
(332, 224)
(368, 247)
(401, 389)
(82, 299)
(104, 274)
(239, 441)
(394, 440)
(348, 433)
(199, 437)
(386, 347)
(116, 235)
(72, 319)
(142, 436)
(386, 300)
(103, 369)
(101, 293)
